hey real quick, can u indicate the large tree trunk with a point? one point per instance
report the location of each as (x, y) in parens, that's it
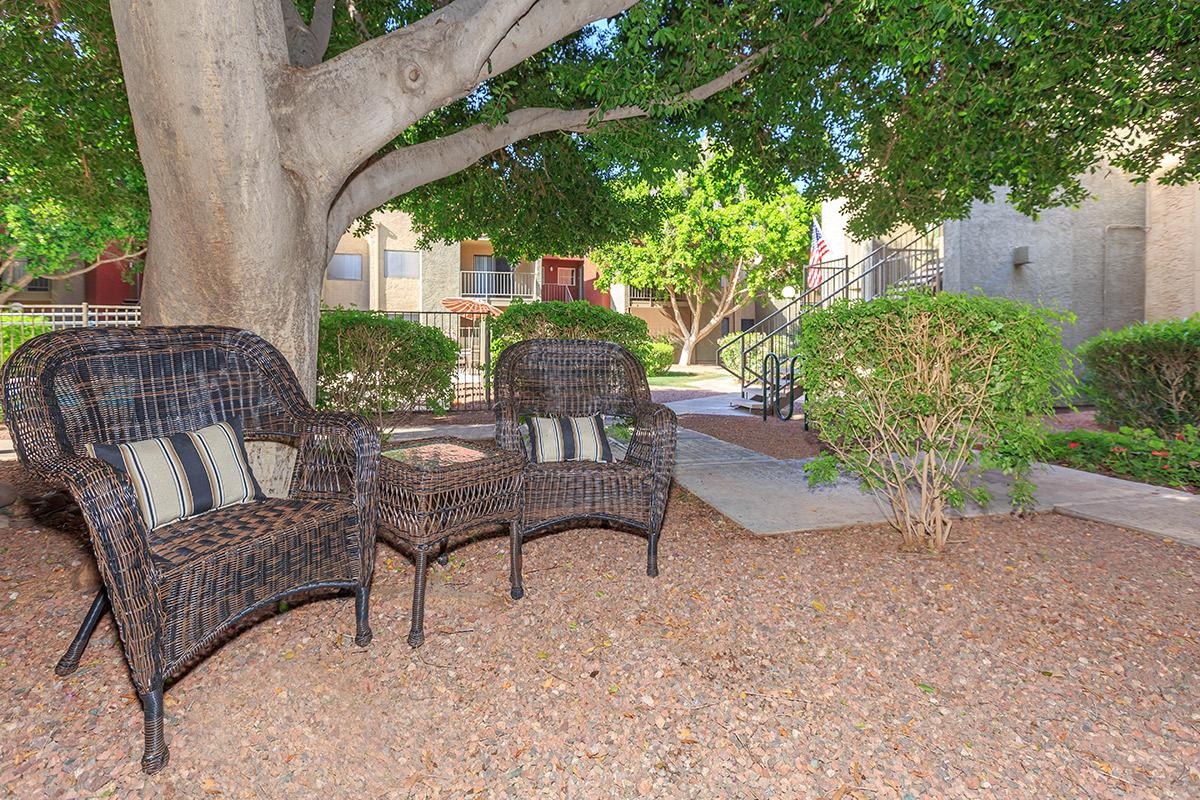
(235, 239)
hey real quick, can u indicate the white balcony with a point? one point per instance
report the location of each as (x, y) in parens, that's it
(497, 285)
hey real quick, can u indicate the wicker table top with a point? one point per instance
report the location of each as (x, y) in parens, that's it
(432, 488)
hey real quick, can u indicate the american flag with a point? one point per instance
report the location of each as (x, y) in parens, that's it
(818, 253)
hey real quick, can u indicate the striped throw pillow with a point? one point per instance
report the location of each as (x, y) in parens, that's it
(186, 474)
(567, 439)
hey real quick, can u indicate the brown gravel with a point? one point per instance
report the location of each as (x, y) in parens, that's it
(774, 437)
(1075, 420)
(1042, 657)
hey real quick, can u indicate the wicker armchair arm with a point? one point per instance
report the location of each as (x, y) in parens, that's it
(508, 427)
(338, 458)
(122, 549)
(652, 443)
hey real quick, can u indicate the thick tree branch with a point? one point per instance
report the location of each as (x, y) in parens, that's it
(307, 43)
(333, 116)
(403, 170)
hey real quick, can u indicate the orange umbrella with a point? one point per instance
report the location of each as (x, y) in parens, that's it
(475, 309)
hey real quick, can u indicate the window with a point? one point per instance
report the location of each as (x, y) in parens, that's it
(566, 276)
(401, 263)
(17, 272)
(491, 264)
(345, 267)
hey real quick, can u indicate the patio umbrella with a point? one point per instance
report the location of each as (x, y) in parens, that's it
(474, 309)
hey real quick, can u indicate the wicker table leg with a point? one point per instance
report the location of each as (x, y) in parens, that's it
(416, 633)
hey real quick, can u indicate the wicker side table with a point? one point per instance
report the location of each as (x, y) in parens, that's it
(432, 489)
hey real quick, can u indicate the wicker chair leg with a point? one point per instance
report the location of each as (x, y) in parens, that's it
(70, 660)
(444, 552)
(362, 604)
(156, 754)
(517, 590)
(652, 556)
(416, 632)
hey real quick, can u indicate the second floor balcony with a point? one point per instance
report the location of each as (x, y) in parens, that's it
(498, 285)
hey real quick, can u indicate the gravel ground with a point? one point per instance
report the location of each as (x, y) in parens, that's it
(774, 437)
(1041, 657)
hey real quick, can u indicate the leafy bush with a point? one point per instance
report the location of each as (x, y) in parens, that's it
(574, 320)
(916, 393)
(17, 329)
(375, 365)
(1141, 455)
(660, 357)
(1146, 376)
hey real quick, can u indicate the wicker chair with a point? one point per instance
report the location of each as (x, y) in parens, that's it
(177, 590)
(568, 377)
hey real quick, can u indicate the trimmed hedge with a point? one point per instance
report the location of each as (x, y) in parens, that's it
(660, 357)
(915, 393)
(17, 330)
(371, 364)
(1146, 376)
(578, 319)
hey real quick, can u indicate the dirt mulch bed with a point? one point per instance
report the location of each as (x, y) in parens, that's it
(774, 437)
(1075, 420)
(1041, 657)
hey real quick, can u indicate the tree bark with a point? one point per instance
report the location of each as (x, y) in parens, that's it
(235, 239)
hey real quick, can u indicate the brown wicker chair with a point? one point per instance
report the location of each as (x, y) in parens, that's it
(177, 590)
(569, 377)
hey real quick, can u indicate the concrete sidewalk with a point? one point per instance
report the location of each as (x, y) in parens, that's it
(770, 496)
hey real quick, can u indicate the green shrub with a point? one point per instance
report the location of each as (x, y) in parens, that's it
(375, 365)
(1141, 455)
(1146, 376)
(574, 320)
(916, 393)
(731, 359)
(660, 357)
(15, 330)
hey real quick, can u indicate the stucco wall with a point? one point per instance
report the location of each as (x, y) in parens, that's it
(1088, 260)
(1173, 251)
(350, 294)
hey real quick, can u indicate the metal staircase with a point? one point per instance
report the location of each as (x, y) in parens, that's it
(912, 260)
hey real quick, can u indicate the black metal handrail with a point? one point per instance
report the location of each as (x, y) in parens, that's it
(909, 260)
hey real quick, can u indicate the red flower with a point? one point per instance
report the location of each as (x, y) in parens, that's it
(1118, 449)
(1179, 437)
(1166, 466)
(1159, 453)
(1072, 445)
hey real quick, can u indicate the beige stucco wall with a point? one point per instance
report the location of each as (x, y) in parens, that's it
(1172, 251)
(659, 321)
(351, 294)
(1088, 260)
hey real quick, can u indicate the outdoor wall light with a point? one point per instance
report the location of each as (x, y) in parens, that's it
(1020, 256)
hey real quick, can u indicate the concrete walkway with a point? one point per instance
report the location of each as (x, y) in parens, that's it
(770, 496)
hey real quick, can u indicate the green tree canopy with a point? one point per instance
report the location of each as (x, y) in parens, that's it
(909, 109)
(722, 242)
(71, 186)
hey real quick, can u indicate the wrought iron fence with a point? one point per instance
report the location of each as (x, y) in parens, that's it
(20, 322)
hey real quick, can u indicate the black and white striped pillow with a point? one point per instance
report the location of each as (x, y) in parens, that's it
(554, 439)
(186, 474)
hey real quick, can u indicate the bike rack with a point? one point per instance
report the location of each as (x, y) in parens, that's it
(771, 376)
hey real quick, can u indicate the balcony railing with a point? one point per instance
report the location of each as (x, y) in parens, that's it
(555, 291)
(645, 296)
(498, 285)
